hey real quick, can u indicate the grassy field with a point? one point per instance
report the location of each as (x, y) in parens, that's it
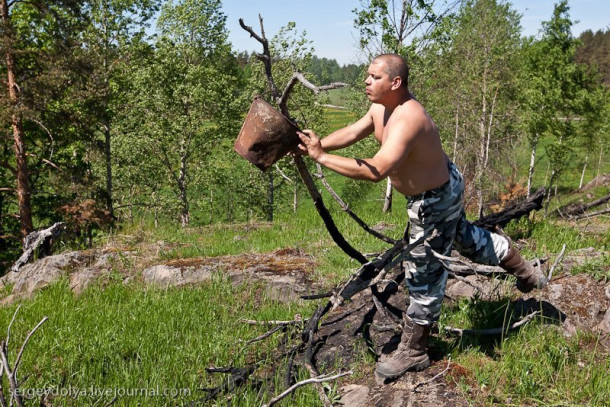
(129, 344)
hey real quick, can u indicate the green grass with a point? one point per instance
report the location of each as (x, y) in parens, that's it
(536, 365)
(129, 338)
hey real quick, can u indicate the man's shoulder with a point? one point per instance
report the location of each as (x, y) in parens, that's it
(412, 112)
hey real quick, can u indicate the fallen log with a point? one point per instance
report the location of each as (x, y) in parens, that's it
(578, 210)
(518, 210)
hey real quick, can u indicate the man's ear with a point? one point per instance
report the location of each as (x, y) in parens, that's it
(396, 82)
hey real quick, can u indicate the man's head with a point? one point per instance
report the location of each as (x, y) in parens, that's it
(388, 74)
(395, 67)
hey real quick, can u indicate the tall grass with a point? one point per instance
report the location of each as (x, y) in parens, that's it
(129, 339)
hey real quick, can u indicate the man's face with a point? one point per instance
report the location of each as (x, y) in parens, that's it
(378, 83)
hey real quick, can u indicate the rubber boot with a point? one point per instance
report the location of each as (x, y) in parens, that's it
(411, 353)
(528, 276)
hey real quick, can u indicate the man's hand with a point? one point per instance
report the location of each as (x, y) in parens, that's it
(310, 145)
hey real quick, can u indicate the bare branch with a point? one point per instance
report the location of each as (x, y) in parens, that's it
(277, 167)
(266, 334)
(18, 360)
(48, 133)
(252, 33)
(44, 160)
(592, 214)
(318, 379)
(8, 330)
(253, 322)
(493, 331)
(556, 262)
(265, 57)
(418, 385)
(345, 207)
(298, 77)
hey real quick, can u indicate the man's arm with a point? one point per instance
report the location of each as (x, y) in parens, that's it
(398, 143)
(350, 134)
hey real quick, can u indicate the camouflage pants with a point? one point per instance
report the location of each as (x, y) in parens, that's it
(441, 211)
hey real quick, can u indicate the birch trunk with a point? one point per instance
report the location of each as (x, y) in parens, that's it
(584, 168)
(185, 216)
(599, 164)
(530, 173)
(270, 197)
(108, 157)
(387, 201)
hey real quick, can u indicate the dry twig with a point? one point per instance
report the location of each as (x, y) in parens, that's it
(556, 262)
(318, 379)
(423, 383)
(11, 372)
(493, 331)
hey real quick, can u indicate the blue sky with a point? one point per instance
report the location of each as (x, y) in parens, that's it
(329, 23)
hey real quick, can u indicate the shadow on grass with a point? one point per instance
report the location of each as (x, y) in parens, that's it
(489, 322)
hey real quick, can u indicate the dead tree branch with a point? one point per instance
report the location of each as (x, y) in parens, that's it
(577, 211)
(35, 240)
(516, 211)
(298, 77)
(423, 383)
(318, 379)
(556, 262)
(346, 209)
(592, 214)
(493, 331)
(11, 372)
(280, 99)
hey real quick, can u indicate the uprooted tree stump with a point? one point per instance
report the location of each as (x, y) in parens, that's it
(303, 339)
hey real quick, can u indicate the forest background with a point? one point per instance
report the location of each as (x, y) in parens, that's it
(107, 125)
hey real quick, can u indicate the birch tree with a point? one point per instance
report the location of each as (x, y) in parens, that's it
(184, 98)
(472, 90)
(114, 27)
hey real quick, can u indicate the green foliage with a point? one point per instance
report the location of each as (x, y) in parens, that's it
(399, 27)
(468, 84)
(184, 102)
(560, 98)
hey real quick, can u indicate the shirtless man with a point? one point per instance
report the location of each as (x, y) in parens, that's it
(411, 155)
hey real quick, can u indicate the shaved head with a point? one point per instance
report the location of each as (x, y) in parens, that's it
(395, 65)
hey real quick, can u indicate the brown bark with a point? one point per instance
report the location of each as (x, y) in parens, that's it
(22, 174)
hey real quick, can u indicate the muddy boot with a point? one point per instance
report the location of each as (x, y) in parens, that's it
(528, 276)
(411, 353)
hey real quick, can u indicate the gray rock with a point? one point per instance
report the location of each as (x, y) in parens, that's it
(45, 271)
(355, 395)
(165, 276)
(604, 325)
